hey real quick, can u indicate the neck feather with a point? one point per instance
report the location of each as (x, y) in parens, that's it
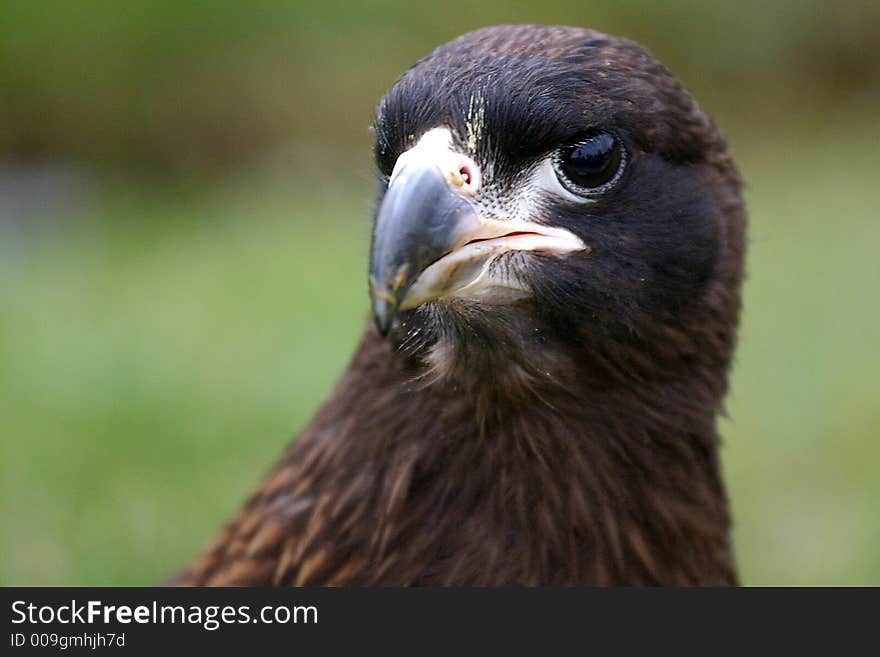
(589, 483)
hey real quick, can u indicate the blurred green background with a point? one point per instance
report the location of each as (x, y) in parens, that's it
(185, 191)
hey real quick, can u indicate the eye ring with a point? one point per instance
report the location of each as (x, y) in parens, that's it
(592, 165)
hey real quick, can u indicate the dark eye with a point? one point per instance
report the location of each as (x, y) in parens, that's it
(591, 165)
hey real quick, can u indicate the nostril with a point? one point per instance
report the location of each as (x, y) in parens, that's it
(468, 176)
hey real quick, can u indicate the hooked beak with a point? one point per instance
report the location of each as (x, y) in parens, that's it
(429, 241)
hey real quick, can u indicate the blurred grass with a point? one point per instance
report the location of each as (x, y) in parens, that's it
(803, 437)
(183, 87)
(153, 362)
(157, 357)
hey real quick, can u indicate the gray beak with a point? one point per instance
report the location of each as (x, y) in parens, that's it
(421, 219)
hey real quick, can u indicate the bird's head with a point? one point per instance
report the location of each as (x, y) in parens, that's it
(553, 198)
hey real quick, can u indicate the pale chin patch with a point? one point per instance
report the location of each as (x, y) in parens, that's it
(473, 273)
(440, 361)
(517, 365)
(488, 269)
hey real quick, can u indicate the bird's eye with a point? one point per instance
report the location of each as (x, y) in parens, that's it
(590, 166)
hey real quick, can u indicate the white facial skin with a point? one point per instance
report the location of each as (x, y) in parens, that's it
(502, 226)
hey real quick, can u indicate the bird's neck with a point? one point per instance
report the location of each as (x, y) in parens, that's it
(614, 484)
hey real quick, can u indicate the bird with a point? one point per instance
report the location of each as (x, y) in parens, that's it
(555, 282)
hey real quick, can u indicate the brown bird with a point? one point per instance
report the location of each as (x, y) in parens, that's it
(555, 272)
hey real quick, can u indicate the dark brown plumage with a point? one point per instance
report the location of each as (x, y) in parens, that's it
(564, 435)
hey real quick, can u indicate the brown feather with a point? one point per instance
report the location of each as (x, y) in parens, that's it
(604, 472)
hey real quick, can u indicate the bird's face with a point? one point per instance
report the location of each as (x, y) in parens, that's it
(548, 193)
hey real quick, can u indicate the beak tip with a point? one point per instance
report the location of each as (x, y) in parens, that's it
(417, 222)
(383, 314)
